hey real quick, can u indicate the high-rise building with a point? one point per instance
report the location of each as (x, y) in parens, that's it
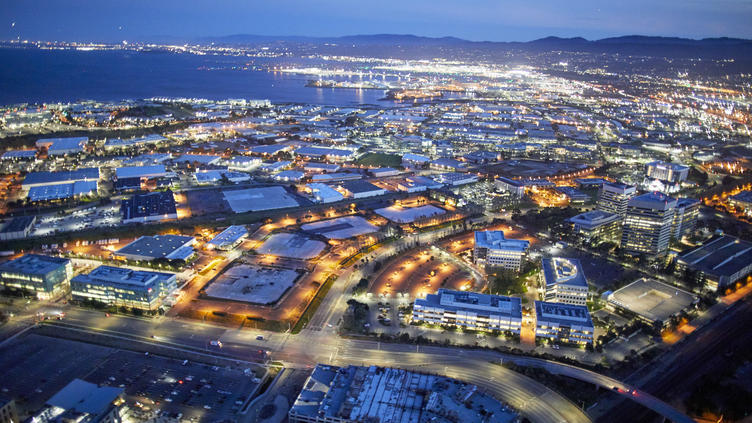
(614, 197)
(648, 224)
(685, 217)
(564, 280)
(493, 250)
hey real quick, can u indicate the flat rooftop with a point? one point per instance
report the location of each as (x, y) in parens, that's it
(109, 275)
(409, 214)
(157, 246)
(563, 314)
(563, 271)
(722, 256)
(34, 264)
(67, 176)
(594, 218)
(85, 397)
(495, 240)
(498, 305)
(292, 246)
(341, 227)
(229, 236)
(256, 199)
(252, 284)
(651, 299)
(148, 205)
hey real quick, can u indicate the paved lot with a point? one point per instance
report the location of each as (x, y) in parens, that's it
(35, 367)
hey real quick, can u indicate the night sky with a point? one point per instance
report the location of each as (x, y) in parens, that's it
(492, 20)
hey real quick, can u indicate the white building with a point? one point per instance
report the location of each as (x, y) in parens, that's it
(493, 250)
(470, 310)
(563, 323)
(564, 280)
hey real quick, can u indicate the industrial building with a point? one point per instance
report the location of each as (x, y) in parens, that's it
(149, 207)
(742, 201)
(46, 277)
(470, 310)
(597, 225)
(492, 249)
(666, 172)
(171, 247)
(455, 178)
(613, 197)
(564, 280)
(565, 323)
(323, 193)
(719, 263)
(361, 189)
(16, 227)
(650, 300)
(229, 238)
(328, 153)
(370, 394)
(83, 402)
(648, 224)
(119, 286)
(44, 186)
(62, 146)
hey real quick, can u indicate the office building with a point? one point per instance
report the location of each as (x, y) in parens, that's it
(83, 402)
(597, 225)
(470, 310)
(666, 172)
(565, 323)
(45, 277)
(229, 238)
(492, 249)
(171, 247)
(651, 301)
(685, 217)
(123, 287)
(648, 224)
(719, 263)
(356, 394)
(564, 280)
(613, 197)
(510, 185)
(150, 207)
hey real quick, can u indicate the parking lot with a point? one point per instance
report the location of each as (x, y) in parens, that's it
(35, 367)
(92, 217)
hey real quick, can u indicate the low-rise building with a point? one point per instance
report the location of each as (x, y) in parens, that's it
(492, 249)
(323, 193)
(149, 207)
(83, 402)
(470, 310)
(171, 247)
(650, 300)
(456, 178)
(17, 228)
(742, 201)
(565, 323)
(597, 225)
(667, 172)
(361, 189)
(229, 238)
(46, 277)
(119, 286)
(564, 280)
(719, 263)
(62, 146)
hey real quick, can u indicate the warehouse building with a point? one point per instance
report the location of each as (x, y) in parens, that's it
(171, 247)
(719, 263)
(470, 310)
(17, 228)
(150, 207)
(229, 238)
(123, 287)
(361, 189)
(46, 277)
(62, 146)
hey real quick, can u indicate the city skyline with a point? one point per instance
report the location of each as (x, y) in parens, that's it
(486, 21)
